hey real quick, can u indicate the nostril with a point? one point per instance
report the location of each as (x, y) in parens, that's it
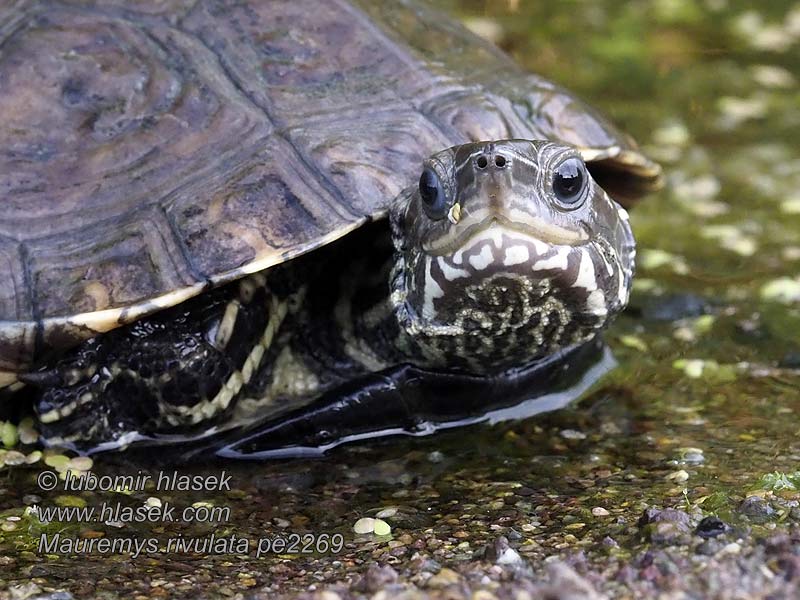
(482, 162)
(500, 161)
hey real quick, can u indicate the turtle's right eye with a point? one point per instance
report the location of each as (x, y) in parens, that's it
(569, 182)
(431, 190)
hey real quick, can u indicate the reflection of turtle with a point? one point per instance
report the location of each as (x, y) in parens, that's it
(154, 154)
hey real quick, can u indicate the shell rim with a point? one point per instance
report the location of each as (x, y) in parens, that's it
(102, 321)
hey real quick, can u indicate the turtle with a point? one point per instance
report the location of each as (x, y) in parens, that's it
(223, 209)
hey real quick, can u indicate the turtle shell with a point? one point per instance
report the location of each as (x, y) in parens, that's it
(151, 152)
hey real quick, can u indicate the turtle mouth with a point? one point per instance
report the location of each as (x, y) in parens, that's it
(534, 229)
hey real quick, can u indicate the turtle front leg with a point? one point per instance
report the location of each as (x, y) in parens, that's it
(180, 369)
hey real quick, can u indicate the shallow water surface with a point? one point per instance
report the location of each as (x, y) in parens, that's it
(705, 402)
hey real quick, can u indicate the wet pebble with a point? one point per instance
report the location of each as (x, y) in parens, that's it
(667, 527)
(377, 577)
(709, 547)
(756, 508)
(610, 542)
(501, 553)
(444, 578)
(487, 28)
(8, 434)
(690, 455)
(785, 290)
(364, 526)
(14, 458)
(773, 76)
(711, 527)
(680, 476)
(655, 258)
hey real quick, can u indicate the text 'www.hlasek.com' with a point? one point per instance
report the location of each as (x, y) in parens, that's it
(131, 503)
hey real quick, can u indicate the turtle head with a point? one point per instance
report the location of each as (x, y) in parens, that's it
(506, 252)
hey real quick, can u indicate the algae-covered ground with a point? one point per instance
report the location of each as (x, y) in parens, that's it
(677, 477)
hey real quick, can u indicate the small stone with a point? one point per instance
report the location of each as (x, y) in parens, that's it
(654, 258)
(487, 28)
(691, 456)
(654, 515)
(381, 527)
(773, 76)
(80, 463)
(435, 457)
(509, 557)
(599, 511)
(57, 461)
(711, 527)
(673, 133)
(704, 187)
(566, 584)
(610, 542)
(13, 458)
(443, 578)
(730, 549)
(784, 290)
(791, 206)
(756, 508)
(668, 534)
(377, 577)
(501, 552)
(708, 547)
(679, 476)
(737, 110)
(27, 434)
(24, 590)
(8, 434)
(667, 527)
(693, 367)
(632, 341)
(387, 513)
(364, 526)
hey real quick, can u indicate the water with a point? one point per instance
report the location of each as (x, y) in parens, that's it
(704, 403)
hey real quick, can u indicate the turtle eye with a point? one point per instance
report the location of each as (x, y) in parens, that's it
(569, 182)
(431, 190)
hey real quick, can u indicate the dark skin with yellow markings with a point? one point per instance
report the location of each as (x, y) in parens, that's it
(350, 313)
(158, 151)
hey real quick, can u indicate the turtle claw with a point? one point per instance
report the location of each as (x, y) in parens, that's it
(42, 379)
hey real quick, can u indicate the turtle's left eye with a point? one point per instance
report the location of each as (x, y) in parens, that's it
(569, 182)
(431, 190)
